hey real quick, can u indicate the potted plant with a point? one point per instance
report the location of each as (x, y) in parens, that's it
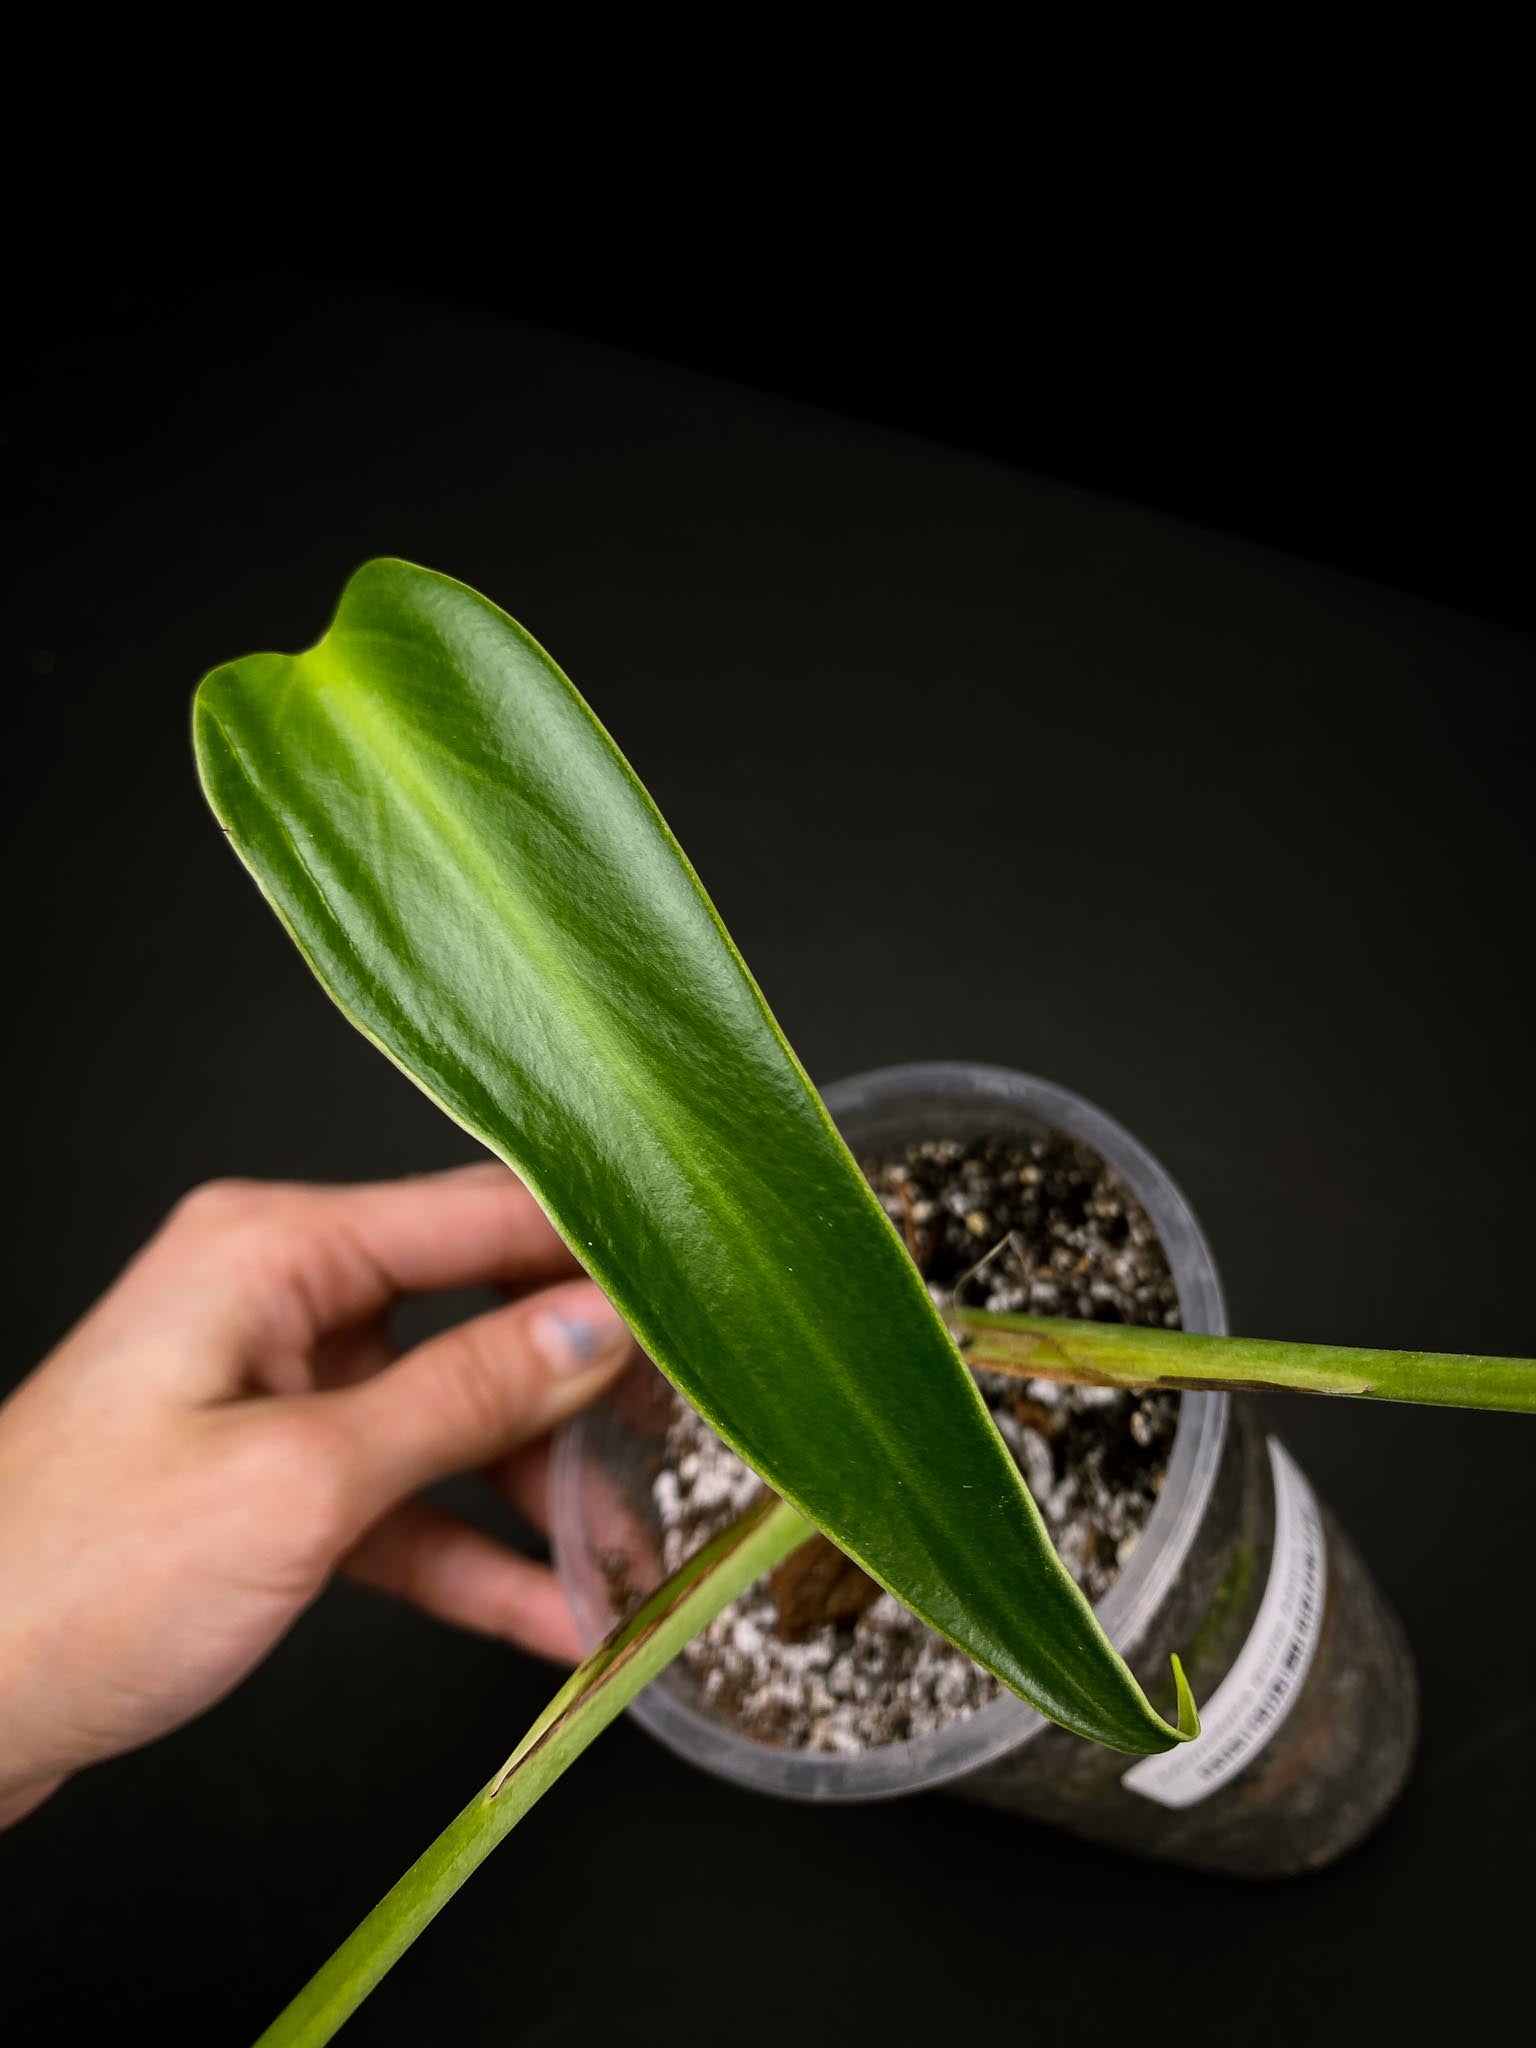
(482, 885)
(1202, 1535)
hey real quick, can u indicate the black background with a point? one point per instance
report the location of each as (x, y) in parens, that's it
(976, 765)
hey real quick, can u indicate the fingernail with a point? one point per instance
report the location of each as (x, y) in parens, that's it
(573, 1338)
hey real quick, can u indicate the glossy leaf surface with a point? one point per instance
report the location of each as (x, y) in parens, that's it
(481, 883)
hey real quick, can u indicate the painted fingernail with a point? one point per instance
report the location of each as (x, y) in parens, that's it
(573, 1339)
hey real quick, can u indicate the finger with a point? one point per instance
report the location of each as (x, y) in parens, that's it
(460, 1574)
(293, 1261)
(353, 1352)
(522, 1478)
(478, 1391)
(476, 1225)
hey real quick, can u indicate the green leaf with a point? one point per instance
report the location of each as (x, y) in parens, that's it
(1118, 1355)
(481, 883)
(582, 1708)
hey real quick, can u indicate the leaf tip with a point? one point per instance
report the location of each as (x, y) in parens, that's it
(1189, 1713)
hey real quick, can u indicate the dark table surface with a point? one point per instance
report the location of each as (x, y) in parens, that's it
(974, 768)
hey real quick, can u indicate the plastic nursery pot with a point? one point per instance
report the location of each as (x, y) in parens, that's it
(1305, 1684)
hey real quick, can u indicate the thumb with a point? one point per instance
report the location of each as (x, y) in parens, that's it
(478, 1391)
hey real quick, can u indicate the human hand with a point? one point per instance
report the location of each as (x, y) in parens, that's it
(230, 1424)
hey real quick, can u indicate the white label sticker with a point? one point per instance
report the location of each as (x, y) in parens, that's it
(1258, 1692)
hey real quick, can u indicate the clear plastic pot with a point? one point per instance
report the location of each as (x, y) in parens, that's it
(1305, 1682)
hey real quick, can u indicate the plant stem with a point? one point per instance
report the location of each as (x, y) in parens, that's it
(1119, 1355)
(595, 1692)
(1034, 1347)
